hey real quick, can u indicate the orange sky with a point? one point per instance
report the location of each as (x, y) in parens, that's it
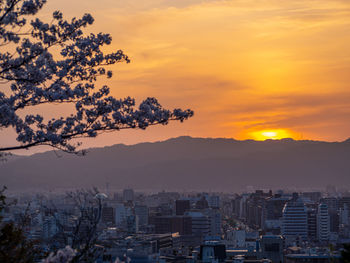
(244, 66)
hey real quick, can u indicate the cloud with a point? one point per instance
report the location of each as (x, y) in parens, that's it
(240, 64)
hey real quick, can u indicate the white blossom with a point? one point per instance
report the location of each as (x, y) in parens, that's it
(64, 255)
(38, 77)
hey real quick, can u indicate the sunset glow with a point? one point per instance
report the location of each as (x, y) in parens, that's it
(243, 66)
(271, 134)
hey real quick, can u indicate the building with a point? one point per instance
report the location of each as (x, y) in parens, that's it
(172, 224)
(274, 206)
(323, 223)
(331, 202)
(141, 212)
(294, 220)
(108, 215)
(200, 223)
(212, 252)
(128, 195)
(214, 201)
(202, 203)
(236, 238)
(344, 215)
(273, 213)
(214, 216)
(120, 215)
(272, 248)
(311, 258)
(312, 224)
(181, 206)
(49, 227)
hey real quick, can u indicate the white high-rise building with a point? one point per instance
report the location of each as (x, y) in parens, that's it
(323, 223)
(294, 220)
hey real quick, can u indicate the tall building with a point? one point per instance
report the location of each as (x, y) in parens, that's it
(323, 224)
(214, 201)
(181, 206)
(214, 217)
(274, 206)
(128, 195)
(120, 215)
(49, 227)
(312, 223)
(108, 215)
(344, 215)
(334, 220)
(294, 220)
(141, 212)
(236, 205)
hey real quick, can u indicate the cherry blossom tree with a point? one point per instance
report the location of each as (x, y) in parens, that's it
(57, 63)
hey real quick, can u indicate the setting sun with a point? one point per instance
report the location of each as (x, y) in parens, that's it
(271, 134)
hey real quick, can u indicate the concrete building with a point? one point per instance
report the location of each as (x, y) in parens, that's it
(294, 220)
(272, 248)
(108, 215)
(49, 227)
(200, 223)
(212, 252)
(214, 201)
(236, 238)
(214, 216)
(128, 195)
(311, 258)
(344, 215)
(141, 212)
(172, 224)
(323, 224)
(312, 224)
(120, 215)
(181, 206)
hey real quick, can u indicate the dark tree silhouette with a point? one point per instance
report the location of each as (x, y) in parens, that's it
(83, 223)
(14, 246)
(345, 254)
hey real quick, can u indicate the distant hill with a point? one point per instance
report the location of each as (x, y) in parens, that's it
(187, 163)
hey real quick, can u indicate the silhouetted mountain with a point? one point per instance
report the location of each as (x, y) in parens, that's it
(187, 163)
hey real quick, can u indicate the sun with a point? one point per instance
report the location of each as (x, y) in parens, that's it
(271, 134)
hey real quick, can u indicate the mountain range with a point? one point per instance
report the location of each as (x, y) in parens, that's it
(187, 163)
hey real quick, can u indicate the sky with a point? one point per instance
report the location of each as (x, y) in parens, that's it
(250, 69)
